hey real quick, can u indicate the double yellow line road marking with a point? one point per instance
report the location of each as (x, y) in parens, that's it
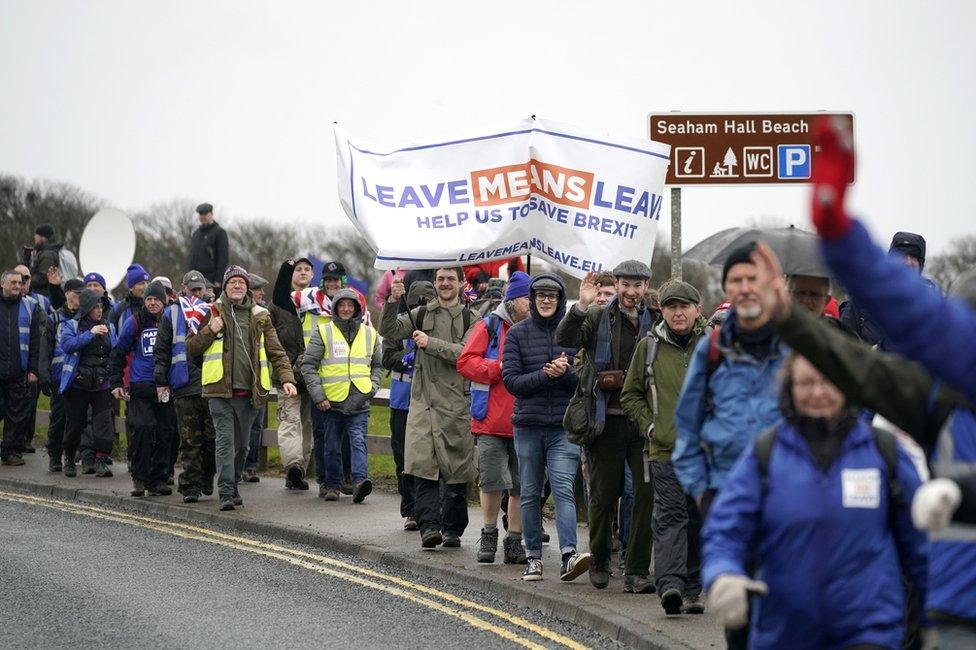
(435, 599)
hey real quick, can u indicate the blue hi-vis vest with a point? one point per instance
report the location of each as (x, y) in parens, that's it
(69, 371)
(24, 317)
(479, 392)
(400, 384)
(179, 371)
(43, 301)
(56, 320)
(952, 552)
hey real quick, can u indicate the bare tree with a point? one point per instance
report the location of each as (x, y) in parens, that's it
(959, 258)
(25, 204)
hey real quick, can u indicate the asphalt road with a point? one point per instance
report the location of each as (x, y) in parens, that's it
(81, 576)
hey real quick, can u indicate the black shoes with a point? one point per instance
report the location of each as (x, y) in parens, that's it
(671, 601)
(513, 551)
(431, 539)
(191, 497)
(138, 489)
(69, 468)
(101, 468)
(294, 479)
(451, 539)
(488, 546)
(637, 584)
(573, 566)
(160, 490)
(54, 465)
(227, 503)
(599, 572)
(693, 604)
(361, 490)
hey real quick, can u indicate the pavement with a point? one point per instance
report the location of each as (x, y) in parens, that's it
(372, 532)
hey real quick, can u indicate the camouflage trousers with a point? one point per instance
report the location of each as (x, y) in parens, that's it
(196, 445)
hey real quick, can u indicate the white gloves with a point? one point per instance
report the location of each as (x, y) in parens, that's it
(728, 598)
(934, 504)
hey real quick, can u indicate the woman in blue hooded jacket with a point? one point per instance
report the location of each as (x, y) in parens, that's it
(816, 513)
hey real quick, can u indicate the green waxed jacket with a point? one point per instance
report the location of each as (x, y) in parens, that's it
(670, 366)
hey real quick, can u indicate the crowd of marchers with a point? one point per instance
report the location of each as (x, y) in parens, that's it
(813, 475)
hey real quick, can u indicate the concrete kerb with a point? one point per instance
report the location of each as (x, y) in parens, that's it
(597, 618)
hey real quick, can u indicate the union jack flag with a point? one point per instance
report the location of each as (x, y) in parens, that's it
(469, 293)
(316, 301)
(194, 311)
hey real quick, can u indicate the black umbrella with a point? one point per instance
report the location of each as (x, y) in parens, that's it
(798, 250)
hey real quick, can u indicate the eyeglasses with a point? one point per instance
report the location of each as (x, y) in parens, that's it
(809, 385)
(546, 297)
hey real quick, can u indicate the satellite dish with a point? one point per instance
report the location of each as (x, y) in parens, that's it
(108, 245)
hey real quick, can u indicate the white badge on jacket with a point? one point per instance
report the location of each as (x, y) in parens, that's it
(861, 487)
(339, 349)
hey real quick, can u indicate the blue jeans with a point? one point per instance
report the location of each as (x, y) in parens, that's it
(626, 505)
(327, 436)
(254, 448)
(541, 450)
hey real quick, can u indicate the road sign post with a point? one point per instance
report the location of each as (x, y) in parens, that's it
(736, 149)
(675, 233)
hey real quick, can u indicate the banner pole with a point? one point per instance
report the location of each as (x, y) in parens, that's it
(528, 264)
(675, 233)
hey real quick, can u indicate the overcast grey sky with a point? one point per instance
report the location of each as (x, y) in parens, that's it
(233, 102)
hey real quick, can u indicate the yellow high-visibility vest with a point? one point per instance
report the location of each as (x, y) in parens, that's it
(310, 322)
(212, 370)
(343, 366)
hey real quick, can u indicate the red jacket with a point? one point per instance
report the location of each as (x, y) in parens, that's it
(473, 365)
(492, 268)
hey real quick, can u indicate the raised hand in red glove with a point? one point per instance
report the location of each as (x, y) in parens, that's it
(834, 166)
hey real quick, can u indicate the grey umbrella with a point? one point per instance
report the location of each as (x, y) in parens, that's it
(798, 250)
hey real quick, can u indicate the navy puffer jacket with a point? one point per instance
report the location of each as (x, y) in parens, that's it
(530, 345)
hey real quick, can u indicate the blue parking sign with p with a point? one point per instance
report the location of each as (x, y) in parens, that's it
(793, 161)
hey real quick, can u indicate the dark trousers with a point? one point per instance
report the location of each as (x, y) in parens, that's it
(257, 432)
(30, 427)
(670, 529)
(620, 443)
(76, 405)
(441, 506)
(398, 433)
(15, 408)
(693, 586)
(346, 457)
(55, 430)
(196, 445)
(174, 439)
(150, 436)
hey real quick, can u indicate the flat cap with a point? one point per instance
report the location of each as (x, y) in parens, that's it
(257, 282)
(678, 290)
(195, 280)
(204, 208)
(632, 269)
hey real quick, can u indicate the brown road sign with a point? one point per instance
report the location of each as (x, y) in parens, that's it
(731, 149)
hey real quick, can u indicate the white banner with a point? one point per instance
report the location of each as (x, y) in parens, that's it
(583, 201)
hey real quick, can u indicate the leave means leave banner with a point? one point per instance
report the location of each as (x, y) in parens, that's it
(581, 200)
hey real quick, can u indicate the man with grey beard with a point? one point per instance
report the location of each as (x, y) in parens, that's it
(731, 389)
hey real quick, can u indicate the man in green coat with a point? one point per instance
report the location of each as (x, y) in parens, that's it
(649, 400)
(438, 442)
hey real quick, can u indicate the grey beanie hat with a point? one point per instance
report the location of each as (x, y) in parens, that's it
(632, 269)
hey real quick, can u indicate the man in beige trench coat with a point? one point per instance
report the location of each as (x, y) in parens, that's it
(439, 446)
